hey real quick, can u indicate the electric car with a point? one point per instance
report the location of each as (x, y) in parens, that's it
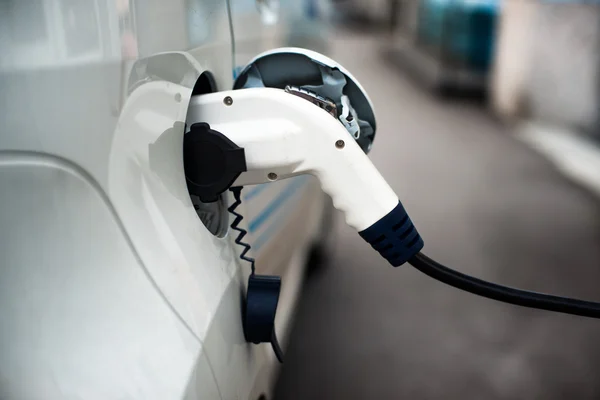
(115, 281)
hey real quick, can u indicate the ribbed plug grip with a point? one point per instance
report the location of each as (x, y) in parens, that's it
(394, 236)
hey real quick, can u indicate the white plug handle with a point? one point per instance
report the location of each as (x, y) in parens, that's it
(284, 135)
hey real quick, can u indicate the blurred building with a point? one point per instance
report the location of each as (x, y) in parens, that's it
(547, 63)
(538, 62)
(540, 59)
(547, 72)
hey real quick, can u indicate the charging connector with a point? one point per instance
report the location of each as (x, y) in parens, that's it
(284, 135)
(260, 135)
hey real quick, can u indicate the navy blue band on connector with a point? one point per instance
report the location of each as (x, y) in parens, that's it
(394, 236)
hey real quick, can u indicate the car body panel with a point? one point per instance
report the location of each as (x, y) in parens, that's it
(89, 321)
(261, 25)
(133, 296)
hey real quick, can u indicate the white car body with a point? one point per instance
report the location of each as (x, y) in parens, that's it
(111, 287)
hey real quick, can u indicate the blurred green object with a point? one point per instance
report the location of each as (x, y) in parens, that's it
(431, 22)
(460, 33)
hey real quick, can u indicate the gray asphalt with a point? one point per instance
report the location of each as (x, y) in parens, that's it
(485, 204)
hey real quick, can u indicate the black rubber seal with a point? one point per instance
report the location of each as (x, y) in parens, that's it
(211, 162)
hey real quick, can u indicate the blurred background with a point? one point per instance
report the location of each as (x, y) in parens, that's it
(489, 129)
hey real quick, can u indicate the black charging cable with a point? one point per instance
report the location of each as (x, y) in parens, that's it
(395, 237)
(501, 293)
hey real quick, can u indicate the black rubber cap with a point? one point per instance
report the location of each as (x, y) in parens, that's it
(261, 305)
(211, 162)
(394, 236)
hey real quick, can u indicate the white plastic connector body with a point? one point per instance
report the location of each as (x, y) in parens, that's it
(284, 135)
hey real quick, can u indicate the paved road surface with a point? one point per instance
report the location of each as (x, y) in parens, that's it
(485, 204)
